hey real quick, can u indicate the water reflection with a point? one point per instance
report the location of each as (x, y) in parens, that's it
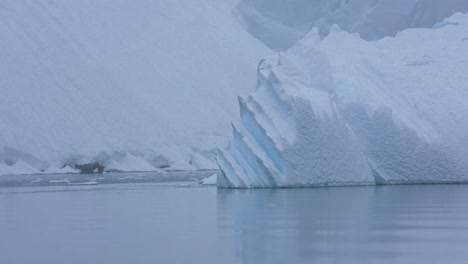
(388, 224)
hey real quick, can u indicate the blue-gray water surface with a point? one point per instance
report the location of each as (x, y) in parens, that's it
(156, 221)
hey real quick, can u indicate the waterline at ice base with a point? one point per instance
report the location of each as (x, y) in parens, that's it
(345, 111)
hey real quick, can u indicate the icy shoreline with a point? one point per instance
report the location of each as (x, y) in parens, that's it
(32, 180)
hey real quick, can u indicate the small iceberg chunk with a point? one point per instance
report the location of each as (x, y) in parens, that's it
(212, 180)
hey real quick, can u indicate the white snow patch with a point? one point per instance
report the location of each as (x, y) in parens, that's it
(59, 181)
(83, 183)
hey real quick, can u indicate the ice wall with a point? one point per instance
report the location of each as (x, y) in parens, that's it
(346, 111)
(281, 23)
(123, 83)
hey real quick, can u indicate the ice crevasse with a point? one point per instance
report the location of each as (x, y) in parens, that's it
(346, 111)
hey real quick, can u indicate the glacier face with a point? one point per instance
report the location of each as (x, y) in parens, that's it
(346, 111)
(130, 84)
(281, 23)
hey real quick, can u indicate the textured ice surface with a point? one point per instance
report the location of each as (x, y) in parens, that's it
(281, 23)
(346, 111)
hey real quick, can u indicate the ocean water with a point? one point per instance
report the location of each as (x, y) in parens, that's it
(164, 221)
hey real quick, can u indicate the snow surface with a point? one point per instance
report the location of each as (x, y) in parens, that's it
(86, 81)
(281, 23)
(346, 111)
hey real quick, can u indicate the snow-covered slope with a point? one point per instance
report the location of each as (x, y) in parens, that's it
(346, 111)
(280, 23)
(19, 167)
(113, 81)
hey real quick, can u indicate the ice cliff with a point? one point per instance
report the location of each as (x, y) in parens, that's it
(134, 85)
(346, 111)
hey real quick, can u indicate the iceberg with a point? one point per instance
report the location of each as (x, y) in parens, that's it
(346, 111)
(83, 84)
(281, 23)
(212, 180)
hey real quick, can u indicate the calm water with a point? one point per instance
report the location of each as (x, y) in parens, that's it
(184, 222)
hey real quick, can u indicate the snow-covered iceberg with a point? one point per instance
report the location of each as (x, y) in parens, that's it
(346, 111)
